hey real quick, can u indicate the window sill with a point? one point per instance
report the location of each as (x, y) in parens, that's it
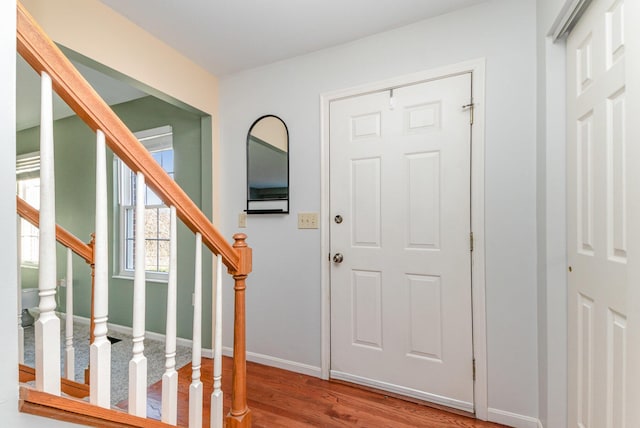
(147, 278)
(30, 266)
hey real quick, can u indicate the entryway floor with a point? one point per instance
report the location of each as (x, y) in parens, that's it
(280, 398)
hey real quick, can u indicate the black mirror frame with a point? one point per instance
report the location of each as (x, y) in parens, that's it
(249, 210)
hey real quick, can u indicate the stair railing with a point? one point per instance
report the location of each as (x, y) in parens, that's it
(57, 73)
(72, 245)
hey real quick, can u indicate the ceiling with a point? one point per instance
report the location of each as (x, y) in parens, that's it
(226, 36)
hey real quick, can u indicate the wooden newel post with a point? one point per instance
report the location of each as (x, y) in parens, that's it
(240, 414)
(92, 244)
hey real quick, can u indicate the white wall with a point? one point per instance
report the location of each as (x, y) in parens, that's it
(552, 262)
(283, 298)
(9, 414)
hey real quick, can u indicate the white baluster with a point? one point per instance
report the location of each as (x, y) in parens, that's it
(70, 358)
(195, 389)
(19, 281)
(170, 376)
(217, 419)
(100, 351)
(47, 328)
(138, 364)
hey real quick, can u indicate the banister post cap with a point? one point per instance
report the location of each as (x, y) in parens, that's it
(244, 253)
(240, 240)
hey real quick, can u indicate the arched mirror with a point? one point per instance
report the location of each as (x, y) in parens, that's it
(268, 166)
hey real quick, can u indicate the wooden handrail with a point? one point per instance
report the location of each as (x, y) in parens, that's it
(44, 56)
(80, 412)
(63, 236)
(69, 240)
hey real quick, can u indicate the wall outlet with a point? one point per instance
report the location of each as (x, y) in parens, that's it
(242, 220)
(307, 220)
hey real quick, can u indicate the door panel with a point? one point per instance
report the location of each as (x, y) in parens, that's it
(597, 220)
(401, 297)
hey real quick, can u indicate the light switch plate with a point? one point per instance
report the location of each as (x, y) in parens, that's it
(307, 220)
(242, 220)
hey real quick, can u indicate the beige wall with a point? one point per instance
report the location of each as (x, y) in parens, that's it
(99, 33)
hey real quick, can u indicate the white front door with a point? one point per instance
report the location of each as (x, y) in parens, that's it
(401, 315)
(597, 219)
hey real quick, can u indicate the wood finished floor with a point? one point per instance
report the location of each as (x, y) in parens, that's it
(279, 398)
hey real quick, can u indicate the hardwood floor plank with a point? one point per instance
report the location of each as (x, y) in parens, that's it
(279, 398)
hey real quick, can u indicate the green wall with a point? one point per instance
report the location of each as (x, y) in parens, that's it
(75, 207)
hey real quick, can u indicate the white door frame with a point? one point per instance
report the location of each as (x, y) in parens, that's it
(477, 68)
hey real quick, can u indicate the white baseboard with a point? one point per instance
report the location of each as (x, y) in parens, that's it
(280, 363)
(207, 353)
(513, 419)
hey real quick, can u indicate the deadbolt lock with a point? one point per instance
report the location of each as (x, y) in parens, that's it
(338, 219)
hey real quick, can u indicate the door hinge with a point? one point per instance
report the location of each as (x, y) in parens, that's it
(473, 364)
(471, 241)
(469, 106)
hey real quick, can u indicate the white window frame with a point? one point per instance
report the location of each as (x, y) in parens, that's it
(27, 168)
(154, 140)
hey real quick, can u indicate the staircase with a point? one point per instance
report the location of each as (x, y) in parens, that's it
(55, 396)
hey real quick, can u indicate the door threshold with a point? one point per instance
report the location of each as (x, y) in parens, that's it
(407, 398)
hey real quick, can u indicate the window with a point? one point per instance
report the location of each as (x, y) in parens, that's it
(28, 188)
(159, 142)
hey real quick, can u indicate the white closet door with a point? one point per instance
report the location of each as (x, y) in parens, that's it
(597, 217)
